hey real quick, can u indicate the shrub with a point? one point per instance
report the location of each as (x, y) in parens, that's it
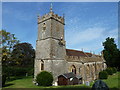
(114, 70)
(44, 78)
(109, 71)
(103, 75)
(3, 79)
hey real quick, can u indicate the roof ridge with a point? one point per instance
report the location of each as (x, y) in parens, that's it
(74, 50)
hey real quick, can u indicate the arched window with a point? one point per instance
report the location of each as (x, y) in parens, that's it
(42, 65)
(79, 70)
(93, 71)
(88, 70)
(73, 69)
(93, 68)
(44, 26)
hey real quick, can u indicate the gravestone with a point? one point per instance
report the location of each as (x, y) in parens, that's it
(87, 83)
(100, 85)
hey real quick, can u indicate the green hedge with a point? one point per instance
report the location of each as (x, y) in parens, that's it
(109, 71)
(17, 71)
(44, 78)
(103, 75)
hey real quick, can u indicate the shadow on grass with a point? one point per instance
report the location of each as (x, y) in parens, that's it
(45, 89)
(6, 85)
(15, 78)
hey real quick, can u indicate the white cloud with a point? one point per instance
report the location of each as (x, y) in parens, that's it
(90, 39)
(82, 36)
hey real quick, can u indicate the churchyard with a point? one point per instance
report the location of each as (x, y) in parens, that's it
(22, 64)
(26, 82)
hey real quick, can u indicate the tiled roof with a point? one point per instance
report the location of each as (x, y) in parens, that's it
(70, 75)
(71, 52)
(80, 56)
(89, 54)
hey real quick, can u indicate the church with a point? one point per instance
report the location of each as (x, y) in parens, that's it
(52, 55)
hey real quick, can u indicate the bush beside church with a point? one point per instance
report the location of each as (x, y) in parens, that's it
(44, 78)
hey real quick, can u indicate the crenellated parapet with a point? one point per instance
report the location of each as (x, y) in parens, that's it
(51, 15)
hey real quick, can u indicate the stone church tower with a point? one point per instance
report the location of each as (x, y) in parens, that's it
(50, 45)
(52, 55)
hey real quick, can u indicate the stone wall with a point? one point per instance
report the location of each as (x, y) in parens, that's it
(56, 67)
(87, 67)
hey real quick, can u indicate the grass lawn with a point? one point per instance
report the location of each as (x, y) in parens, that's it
(26, 82)
(113, 81)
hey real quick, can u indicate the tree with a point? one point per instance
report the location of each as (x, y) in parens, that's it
(111, 53)
(23, 54)
(7, 43)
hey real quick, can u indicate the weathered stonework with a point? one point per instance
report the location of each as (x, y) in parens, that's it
(51, 54)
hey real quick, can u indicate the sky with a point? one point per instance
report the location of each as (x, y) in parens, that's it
(87, 24)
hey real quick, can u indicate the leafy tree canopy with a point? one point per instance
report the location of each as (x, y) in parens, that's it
(23, 54)
(111, 53)
(7, 43)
